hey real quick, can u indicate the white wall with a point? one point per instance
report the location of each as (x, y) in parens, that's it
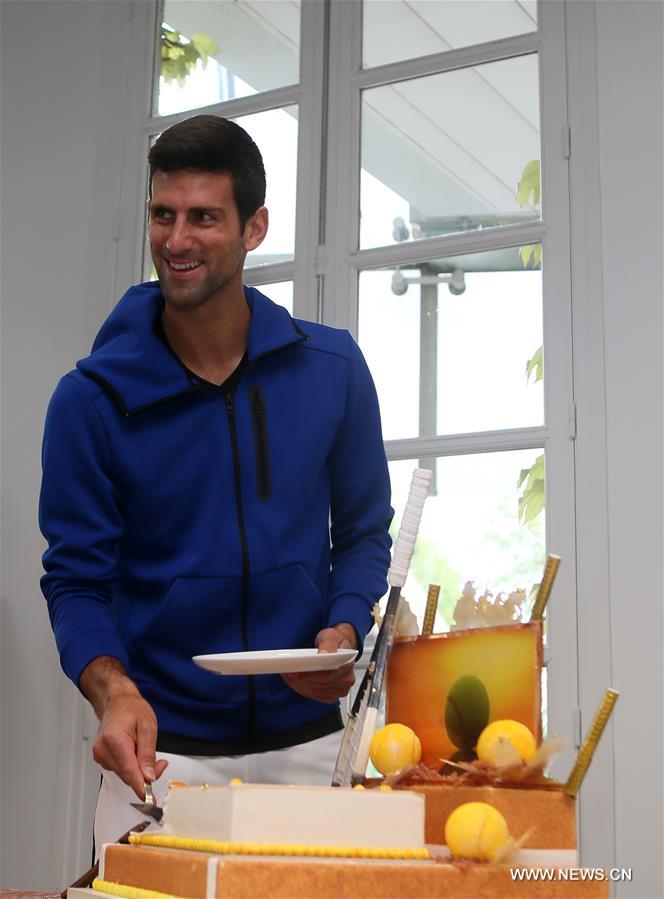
(65, 104)
(616, 114)
(64, 89)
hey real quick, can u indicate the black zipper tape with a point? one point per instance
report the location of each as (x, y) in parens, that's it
(261, 442)
(235, 449)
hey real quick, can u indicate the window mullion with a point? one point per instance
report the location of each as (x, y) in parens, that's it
(340, 294)
(312, 133)
(558, 373)
(257, 275)
(231, 109)
(499, 238)
(448, 60)
(464, 444)
(156, 59)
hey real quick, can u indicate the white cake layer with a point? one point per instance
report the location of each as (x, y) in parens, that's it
(315, 816)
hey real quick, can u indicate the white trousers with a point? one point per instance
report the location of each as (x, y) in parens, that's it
(309, 763)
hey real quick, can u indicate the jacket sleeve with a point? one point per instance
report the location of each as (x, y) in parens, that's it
(360, 504)
(80, 518)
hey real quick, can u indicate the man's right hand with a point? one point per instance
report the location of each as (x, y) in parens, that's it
(127, 734)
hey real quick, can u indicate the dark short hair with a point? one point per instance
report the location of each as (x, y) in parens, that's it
(210, 143)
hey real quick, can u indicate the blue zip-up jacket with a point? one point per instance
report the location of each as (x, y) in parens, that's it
(184, 518)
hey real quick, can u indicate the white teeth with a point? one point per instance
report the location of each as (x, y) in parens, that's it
(181, 267)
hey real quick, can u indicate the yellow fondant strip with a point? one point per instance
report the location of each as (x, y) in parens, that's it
(224, 848)
(129, 892)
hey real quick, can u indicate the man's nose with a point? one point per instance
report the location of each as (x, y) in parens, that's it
(180, 237)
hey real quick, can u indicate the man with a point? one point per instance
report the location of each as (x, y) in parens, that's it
(214, 481)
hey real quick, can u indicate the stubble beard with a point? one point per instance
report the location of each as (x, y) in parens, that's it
(194, 296)
(185, 297)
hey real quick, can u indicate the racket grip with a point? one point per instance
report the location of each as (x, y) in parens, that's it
(410, 523)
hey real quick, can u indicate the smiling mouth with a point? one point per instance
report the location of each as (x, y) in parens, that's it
(184, 266)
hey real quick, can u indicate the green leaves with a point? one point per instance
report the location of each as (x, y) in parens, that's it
(531, 483)
(535, 364)
(529, 193)
(204, 45)
(530, 185)
(531, 251)
(179, 56)
(531, 480)
(531, 500)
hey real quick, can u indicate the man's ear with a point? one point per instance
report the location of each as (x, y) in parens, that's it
(256, 229)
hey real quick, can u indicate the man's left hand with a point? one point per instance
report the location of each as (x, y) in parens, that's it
(327, 686)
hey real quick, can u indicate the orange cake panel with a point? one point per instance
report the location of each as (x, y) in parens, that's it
(251, 878)
(550, 813)
(445, 686)
(360, 880)
(172, 871)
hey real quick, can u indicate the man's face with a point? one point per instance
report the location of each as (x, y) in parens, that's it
(198, 246)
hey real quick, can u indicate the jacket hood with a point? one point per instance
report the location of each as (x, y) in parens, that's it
(134, 365)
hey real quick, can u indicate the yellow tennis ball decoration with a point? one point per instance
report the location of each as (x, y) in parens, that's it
(506, 742)
(394, 747)
(476, 830)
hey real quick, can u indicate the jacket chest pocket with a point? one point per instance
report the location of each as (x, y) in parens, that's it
(261, 442)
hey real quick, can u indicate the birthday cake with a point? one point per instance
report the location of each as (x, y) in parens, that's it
(296, 842)
(493, 828)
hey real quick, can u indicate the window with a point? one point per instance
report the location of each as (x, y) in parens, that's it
(417, 178)
(241, 59)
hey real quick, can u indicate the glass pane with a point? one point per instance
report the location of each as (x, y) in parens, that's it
(402, 29)
(147, 268)
(445, 154)
(454, 345)
(280, 292)
(471, 530)
(275, 133)
(216, 51)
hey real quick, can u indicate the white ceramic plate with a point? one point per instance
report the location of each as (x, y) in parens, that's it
(274, 661)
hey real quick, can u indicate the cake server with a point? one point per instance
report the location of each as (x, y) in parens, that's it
(152, 811)
(149, 807)
(354, 752)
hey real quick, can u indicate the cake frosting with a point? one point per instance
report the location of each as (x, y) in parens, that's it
(273, 816)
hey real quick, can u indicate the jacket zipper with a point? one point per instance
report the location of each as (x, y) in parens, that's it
(235, 450)
(263, 479)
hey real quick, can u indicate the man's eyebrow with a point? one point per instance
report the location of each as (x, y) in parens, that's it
(154, 204)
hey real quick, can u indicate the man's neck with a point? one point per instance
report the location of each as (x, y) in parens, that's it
(210, 339)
